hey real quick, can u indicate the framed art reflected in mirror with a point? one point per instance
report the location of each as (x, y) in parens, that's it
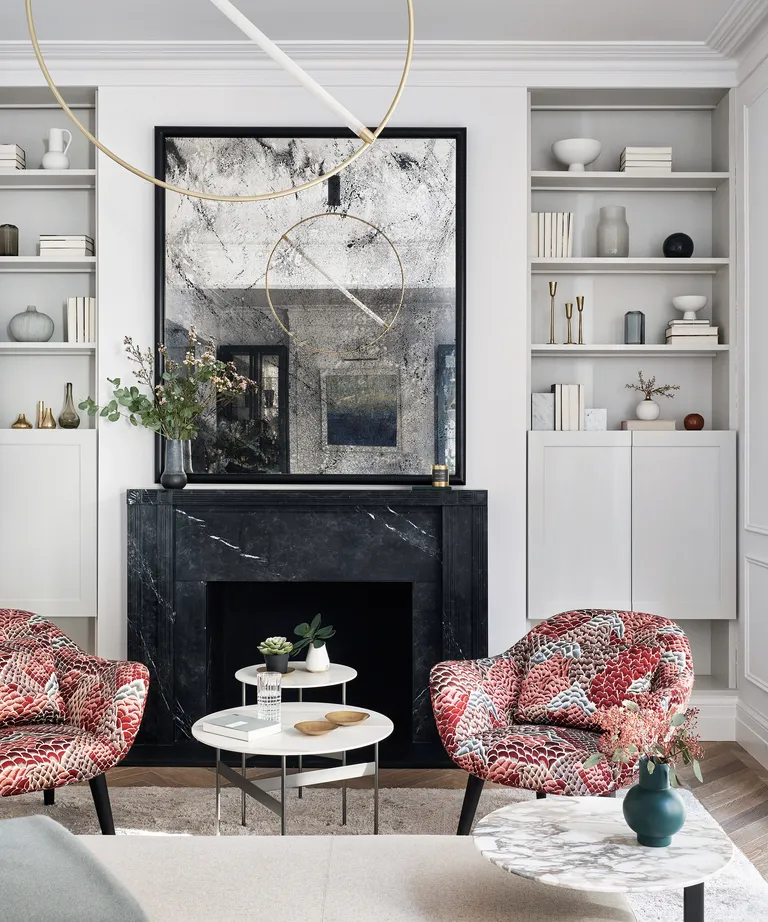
(345, 304)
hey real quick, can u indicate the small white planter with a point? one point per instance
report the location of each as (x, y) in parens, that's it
(317, 659)
(648, 409)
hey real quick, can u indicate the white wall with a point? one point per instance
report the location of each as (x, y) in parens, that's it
(496, 119)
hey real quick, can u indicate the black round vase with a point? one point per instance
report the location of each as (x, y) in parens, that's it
(277, 662)
(678, 246)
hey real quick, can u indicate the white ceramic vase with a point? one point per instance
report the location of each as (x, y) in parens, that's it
(56, 157)
(317, 659)
(648, 409)
(31, 326)
(613, 232)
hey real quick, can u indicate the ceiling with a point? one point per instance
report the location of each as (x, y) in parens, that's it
(329, 20)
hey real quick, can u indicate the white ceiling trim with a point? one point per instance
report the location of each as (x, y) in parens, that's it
(738, 28)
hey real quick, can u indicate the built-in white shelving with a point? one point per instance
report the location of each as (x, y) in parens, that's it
(47, 348)
(563, 180)
(613, 350)
(47, 264)
(48, 179)
(632, 264)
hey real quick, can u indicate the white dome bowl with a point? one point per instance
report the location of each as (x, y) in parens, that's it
(576, 153)
(690, 305)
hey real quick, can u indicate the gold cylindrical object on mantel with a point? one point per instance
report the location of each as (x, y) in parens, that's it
(552, 293)
(580, 307)
(40, 414)
(48, 421)
(569, 317)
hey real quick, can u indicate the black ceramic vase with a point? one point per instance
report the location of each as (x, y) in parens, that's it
(678, 246)
(174, 476)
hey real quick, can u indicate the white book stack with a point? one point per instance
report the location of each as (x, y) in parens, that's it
(12, 158)
(551, 235)
(693, 334)
(569, 407)
(81, 320)
(56, 245)
(240, 726)
(646, 160)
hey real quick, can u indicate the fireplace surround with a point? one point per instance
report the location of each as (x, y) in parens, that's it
(209, 571)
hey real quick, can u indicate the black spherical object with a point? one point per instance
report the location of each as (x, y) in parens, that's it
(678, 246)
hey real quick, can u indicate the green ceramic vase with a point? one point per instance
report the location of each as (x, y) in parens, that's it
(654, 810)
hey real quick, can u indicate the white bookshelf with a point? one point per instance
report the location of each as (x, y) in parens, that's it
(602, 181)
(61, 264)
(655, 265)
(46, 180)
(49, 348)
(614, 350)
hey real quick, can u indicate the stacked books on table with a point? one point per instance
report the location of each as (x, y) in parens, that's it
(81, 320)
(243, 727)
(551, 235)
(12, 158)
(639, 425)
(692, 333)
(55, 245)
(569, 407)
(646, 160)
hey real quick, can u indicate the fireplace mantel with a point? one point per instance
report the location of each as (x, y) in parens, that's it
(179, 541)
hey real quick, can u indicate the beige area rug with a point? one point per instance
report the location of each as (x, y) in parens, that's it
(739, 894)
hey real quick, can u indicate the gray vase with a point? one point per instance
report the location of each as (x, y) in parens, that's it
(31, 326)
(613, 232)
(174, 477)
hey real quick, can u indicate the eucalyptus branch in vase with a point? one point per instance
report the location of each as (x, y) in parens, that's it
(648, 409)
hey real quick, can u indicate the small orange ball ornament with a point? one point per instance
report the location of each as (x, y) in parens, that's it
(694, 422)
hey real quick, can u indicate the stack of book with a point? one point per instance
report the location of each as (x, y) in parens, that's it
(66, 245)
(569, 407)
(692, 333)
(81, 320)
(646, 160)
(648, 425)
(241, 726)
(551, 235)
(12, 158)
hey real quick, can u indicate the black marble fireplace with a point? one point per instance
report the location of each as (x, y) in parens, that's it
(401, 575)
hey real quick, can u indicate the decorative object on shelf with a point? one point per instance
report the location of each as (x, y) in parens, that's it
(580, 308)
(48, 421)
(172, 409)
(678, 246)
(569, 317)
(69, 418)
(542, 412)
(569, 407)
(81, 320)
(648, 409)
(613, 232)
(351, 423)
(634, 328)
(12, 158)
(646, 160)
(22, 422)
(55, 158)
(315, 727)
(77, 246)
(313, 636)
(30, 326)
(347, 718)
(551, 234)
(269, 695)
(690, 332)
(276, 651)
(9, 240)
(552, 293)
(441, 476)
(690, 305)
(595, 420)
(40, 413)
(648, 425)
(651, 808)
(281, 58)
(577, 153)
(694, 422)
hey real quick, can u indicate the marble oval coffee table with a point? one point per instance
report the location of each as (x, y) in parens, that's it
(584, 843)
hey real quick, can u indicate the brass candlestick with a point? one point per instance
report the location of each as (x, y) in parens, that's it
(569, 317)
(552, 293)
(580, 306)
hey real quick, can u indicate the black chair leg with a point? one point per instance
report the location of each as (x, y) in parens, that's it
(540, 795)
(103, 807)
(469, 807)
(48, 797)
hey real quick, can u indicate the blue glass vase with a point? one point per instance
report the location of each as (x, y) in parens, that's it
(654, 810)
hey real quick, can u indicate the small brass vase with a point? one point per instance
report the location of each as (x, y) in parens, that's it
(48, 421)
(22, 423)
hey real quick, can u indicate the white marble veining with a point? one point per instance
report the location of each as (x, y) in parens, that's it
(543, 412)
(584, 843)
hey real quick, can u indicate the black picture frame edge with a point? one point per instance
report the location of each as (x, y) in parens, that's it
(162, 133)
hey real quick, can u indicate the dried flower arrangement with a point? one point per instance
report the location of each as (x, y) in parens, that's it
(651, 389)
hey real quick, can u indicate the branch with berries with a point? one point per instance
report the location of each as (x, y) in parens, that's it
(651, 389)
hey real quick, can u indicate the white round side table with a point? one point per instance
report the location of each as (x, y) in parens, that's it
(299, 679)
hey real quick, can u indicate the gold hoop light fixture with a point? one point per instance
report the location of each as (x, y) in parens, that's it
(368, 137)
(386, 326)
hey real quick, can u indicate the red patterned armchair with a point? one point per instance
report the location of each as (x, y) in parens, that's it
(525, 718)
(65, 716)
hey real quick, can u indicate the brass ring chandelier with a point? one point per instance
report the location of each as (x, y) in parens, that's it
(226, 7)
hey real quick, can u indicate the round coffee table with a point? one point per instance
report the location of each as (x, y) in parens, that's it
(288, 743)
(584, 843)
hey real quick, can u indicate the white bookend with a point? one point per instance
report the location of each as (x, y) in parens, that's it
(541, 234)
(557, 390)
(91, 319)
(547, 234)
(71, 320)
(240, 726)
(80, 320)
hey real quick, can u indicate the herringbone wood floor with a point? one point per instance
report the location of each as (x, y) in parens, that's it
(735, 790)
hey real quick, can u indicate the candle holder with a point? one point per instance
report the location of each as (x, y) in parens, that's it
(580, 307)
(569, 317)
(552, 293)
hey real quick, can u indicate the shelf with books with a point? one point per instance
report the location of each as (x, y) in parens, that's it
(47, 179)
(63, 264)
(616, 350)
(48, 348)
(602, 181)
(593, 265)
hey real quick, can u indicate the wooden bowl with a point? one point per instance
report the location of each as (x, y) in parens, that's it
(315, 727)
(347, 718)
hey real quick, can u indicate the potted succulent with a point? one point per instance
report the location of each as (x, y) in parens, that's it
(276, 651)
(648, 409)
(314, 637)
(652, 808)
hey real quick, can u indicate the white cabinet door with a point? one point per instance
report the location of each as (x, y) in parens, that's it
(684, 524)
(48, 522)
(579, 527)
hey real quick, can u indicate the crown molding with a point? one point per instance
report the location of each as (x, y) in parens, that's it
(741, 26)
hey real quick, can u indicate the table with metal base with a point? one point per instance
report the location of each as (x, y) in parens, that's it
(291, 743)
(584, 843)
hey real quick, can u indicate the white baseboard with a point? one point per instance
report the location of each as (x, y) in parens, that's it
(717, 714)
(752, 732)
